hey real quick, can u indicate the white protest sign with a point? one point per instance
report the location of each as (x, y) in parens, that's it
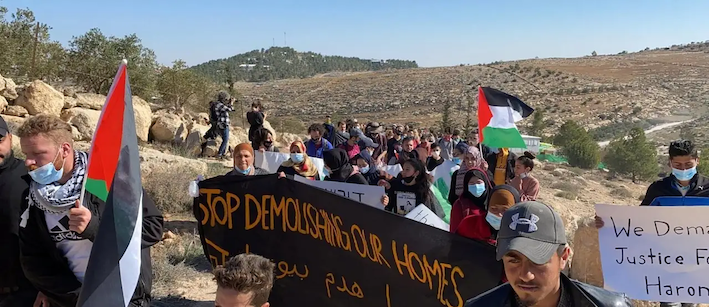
(424, 215)
(367, 194)
(392, 170)
(270, 161)
(656, 253)
(405, 202)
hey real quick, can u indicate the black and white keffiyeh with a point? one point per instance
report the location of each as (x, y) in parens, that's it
(57, 198)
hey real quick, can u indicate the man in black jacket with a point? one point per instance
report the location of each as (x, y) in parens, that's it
(15, 289)
(56, 230)
(532, 246)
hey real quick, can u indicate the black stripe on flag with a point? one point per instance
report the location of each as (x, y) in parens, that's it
(497, 98)
(103, 284)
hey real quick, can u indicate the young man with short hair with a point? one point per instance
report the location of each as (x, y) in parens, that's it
(57, 231)
(532, 245)
(683, 181)
(245, 280)
(317, 144)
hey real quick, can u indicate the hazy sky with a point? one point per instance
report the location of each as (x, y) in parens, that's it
(433, 33)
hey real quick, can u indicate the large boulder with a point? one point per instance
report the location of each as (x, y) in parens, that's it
(202, 118)
(69, 102)
(168, 128)
(152, 159)
(90, 101)
(8, 88)
(40, 98)
(195, 138)
(85, 121)
(285, 139)
(586, 264)
(15, 110)
(143, 118)
(3, 104)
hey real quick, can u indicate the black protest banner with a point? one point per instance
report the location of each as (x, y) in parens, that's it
(333, 251)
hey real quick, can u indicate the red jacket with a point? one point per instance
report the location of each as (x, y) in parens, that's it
(468, 220)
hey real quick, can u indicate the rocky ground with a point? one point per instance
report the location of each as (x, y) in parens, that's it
(595, 91)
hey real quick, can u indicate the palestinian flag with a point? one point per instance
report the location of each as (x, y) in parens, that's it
(114, 176)
(497, 114)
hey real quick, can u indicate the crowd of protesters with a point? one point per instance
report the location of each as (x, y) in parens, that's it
(47, 233)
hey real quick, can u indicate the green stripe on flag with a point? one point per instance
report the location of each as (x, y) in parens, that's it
(440, 191)
(97, 188)
(503, 138)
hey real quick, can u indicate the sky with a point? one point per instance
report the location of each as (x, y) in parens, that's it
(433, 33)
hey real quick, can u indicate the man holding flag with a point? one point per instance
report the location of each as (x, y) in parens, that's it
(63, 224)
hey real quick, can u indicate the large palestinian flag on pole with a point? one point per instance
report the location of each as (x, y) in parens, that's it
(114, 176)
(497, 114)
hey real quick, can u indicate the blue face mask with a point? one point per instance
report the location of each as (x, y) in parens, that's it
(245, 172)
(47, 174)
(325, 172)
(364, 170)
(297, 157)
(493, 220)
(684, 175)
(457, 160)
(477, 189)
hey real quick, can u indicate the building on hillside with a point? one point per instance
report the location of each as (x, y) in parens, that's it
(532, 142)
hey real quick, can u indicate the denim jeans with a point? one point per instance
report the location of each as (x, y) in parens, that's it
(225, 141)
(678, 305)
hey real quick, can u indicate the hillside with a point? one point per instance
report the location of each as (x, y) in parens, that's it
(610, 91)
(284, 62)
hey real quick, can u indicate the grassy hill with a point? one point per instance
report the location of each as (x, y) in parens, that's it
(611, 91)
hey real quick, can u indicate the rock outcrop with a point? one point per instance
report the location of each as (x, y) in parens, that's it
(8, 89)
(40, 98)
(15, 110)
(168, 127)
(3, 104)
(586, 264)
(90, 101)
(85, 121)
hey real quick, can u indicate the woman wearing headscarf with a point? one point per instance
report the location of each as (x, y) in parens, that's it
(367, 167)
(474, 199)
(299, 163)
(414, 186)
(469, 158)
(483, 225)
(338, 168)
(244, 162)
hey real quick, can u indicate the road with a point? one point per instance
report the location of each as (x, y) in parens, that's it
(653, 129)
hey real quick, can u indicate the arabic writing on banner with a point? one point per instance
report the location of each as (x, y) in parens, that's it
(367, 194)
(270, 161)
(333, 251)
(656, 253)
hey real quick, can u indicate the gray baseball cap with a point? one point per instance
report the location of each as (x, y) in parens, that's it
(533, 229)
(4, 130)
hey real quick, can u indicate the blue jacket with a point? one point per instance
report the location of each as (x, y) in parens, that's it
(315, 152)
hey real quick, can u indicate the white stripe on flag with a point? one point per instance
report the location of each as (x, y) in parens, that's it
(504, 117)
(129, 264)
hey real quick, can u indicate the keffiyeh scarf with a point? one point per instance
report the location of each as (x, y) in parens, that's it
(57, 198)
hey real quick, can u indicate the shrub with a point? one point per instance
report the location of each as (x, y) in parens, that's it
(566, 187)
(621, 192)
(168, 188)
(176, 258)
(632, 155)
(567, 195)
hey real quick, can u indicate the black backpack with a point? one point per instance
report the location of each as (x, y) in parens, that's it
(213, 117)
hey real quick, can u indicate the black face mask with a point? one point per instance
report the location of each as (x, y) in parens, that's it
(408, 179)
(268, 143)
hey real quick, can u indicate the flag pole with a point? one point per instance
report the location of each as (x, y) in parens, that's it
(86, 177)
